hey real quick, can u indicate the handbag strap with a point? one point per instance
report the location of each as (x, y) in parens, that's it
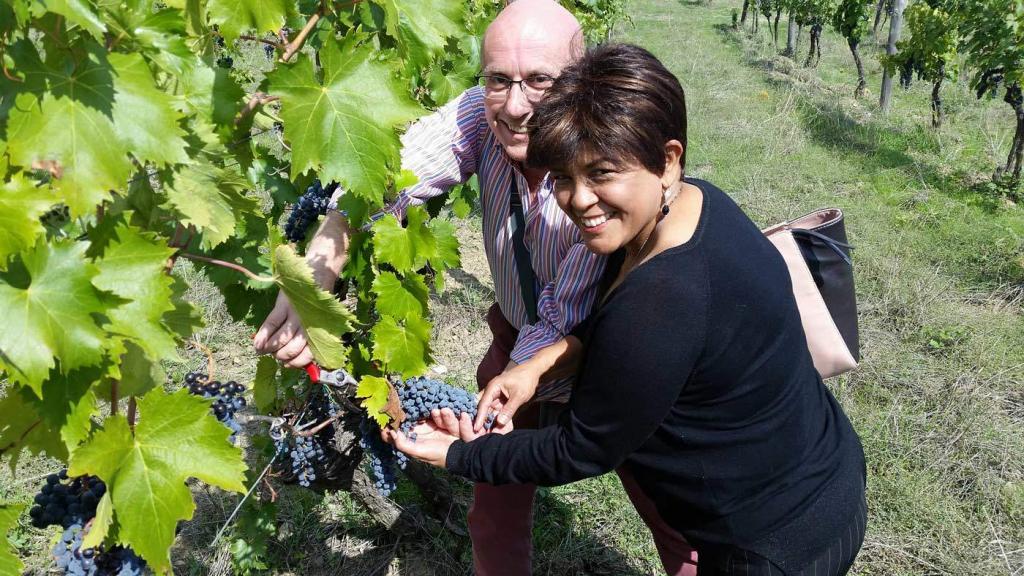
(527, 281)
(830, 242)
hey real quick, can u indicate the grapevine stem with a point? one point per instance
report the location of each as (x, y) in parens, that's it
(258, 99)
(132, 408)
(224, 264)
(113, 397)
(7, 72)
(210, 364)
(296, 44)
(277, 45)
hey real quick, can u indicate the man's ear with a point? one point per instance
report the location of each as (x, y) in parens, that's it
(675, 153)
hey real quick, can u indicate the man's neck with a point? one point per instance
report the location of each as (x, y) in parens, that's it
(534, 177)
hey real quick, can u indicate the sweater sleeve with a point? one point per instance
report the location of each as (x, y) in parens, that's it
(644, 345)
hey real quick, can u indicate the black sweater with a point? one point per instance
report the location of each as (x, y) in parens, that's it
(696, 376)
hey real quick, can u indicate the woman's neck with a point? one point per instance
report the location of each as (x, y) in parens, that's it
(668, 230)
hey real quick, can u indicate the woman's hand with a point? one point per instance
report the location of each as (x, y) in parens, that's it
(435, 436)
(506, 393)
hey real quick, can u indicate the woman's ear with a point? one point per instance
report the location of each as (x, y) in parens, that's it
(674, 154)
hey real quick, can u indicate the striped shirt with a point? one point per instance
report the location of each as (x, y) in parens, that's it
(449, 146)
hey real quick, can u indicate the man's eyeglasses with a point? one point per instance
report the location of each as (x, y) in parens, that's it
(497, 87)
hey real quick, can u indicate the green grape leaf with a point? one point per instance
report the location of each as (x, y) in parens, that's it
(375, 392)
(160, 36)
(343, 128)
(100, 524)
(135, 372)
(264, 389)
(359, 266)
(133, 269)
(80, 140)
(21, 205)
(422, 27)
(403, 348)
(176, 438)
(406, 249)
(400, 298)
(78, 12)
(51, 314)
(209, 197)
(9, 561)
(68, 404)
(446, 254)
(186, 317)
(236, 16)
(323, 317)
(23, 428)
(144, 116)
(211, 94)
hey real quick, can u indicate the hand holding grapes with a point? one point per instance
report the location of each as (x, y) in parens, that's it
(435, 435)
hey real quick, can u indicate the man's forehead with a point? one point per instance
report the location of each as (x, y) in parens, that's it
(525, 55)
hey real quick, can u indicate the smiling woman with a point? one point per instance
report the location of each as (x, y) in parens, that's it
(694, 381)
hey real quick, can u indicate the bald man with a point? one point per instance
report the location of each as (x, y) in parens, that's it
(484, 132)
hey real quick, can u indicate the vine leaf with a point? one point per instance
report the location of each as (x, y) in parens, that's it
(79, 139)
(400, 298)
(135, 372)
(343, 128)
(21, 205)
(403, 348)
(209, 197)
(144, 117)
(101, 523)
(133, 269)
(264, 390)
(422, 27)
(323, 317)
(68, 404)
(406, 249)
(447, 253)
(78, 12)
(160, 35)
(48, 314)
(380, 400)
(176, 438)
(23, 428)
(212, 94)
(9, 562)
(236, 16)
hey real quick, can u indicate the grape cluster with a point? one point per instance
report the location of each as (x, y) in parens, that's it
(419, 396)
(73, 560)
(308, 454)
(311, 205)
(68, 503)
(268, 50)
(225, 61)
(71, 504)
(227, 398)
(382, 457)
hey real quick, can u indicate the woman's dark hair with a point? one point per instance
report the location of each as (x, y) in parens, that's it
(617, 101)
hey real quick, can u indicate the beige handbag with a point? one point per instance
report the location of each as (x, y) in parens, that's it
(816, 252)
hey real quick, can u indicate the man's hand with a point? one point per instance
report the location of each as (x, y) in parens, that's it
(282, 335)
(506, 393)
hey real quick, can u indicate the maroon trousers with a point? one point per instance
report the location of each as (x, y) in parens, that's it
(501, 517)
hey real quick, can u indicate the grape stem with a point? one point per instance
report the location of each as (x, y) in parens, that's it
(224, 264)
(132, 408)
(296, 44)
(258, 99)
(277, 45)
(113, 397)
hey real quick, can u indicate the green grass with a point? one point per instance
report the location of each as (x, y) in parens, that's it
(938, 399)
